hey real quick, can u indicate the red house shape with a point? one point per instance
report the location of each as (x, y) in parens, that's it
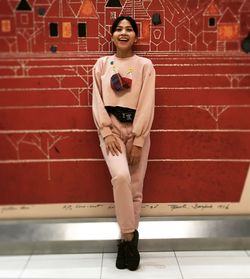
(113, 10)
(7, 28)
(158, 30)
(211, 17)
(40, 8)
(229, 30)
(136, 10)
(61, 27)
(88, 21)
(24, 26)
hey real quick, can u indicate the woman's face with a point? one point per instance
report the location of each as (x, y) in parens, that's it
(124, 36)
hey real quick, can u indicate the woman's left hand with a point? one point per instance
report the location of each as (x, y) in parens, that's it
(135, 155)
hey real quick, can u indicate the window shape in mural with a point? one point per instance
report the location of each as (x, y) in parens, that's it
(156, 19)
(82, 29)
(139, 25)
(53, 29)
(211, 22)
(66, 30)
(41, 11)
(112, 15)
(24, 19)
(5, 26)
(23, 6)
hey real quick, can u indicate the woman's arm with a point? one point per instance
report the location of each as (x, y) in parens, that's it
(145, 109)
(100, 115)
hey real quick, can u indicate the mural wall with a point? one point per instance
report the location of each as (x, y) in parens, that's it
(50, 161)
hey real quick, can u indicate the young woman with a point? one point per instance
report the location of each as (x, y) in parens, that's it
(123, 110)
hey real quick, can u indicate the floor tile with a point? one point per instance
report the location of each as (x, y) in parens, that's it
(64, 266)
(12, 266)
(225, 253)
(152, 265)
(228, 267)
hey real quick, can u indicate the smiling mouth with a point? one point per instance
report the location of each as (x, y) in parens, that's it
(123, 39)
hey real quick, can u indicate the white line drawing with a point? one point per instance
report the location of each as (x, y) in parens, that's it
(43, 142)
(215, 112)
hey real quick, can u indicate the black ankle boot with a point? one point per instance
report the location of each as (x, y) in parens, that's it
(132, 256)
(120, 259)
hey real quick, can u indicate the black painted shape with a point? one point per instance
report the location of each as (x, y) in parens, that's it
(211, 21)
(41, 11)
(81, 29)
(23, 6)
(245, 44)
(113, 3)
(53, 29)
(156, 19)
(53, 48)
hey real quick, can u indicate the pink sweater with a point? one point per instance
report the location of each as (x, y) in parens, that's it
(141, 95)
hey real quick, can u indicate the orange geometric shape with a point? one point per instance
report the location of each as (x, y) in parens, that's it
(66, 30)
(5, 26)
(228, 31)
(145, 32)
(87, 9)
(212, 10)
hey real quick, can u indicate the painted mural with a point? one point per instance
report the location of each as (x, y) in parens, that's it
(164, 25)
(50, 161)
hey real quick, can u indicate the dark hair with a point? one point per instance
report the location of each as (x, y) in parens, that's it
(128, 18)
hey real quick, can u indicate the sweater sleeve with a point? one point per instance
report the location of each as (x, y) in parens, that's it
(100, 115)
(145, 107)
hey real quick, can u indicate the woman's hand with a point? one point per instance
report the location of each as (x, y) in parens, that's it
(135, 155)
(112, 145)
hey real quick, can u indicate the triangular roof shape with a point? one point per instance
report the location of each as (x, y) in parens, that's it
(245, 8)
(23, 6)
(60, 8)
(5, 8)
(87, 9)
(212, 10)
(114, 3)
(156, 5)
(228, 17)
(135, 9)
(75, 6)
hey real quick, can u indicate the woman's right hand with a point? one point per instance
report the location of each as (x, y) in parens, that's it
(112, 145)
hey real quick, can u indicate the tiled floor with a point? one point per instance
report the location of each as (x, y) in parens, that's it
(167, 265)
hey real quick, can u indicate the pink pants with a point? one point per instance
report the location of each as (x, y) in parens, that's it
(127, 180)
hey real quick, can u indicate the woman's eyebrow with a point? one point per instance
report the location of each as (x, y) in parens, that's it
(127, 26)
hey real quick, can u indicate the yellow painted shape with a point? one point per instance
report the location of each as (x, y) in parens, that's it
(66, 30)
(5, 25)
(228, 31)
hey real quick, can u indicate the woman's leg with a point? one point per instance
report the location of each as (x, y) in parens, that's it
(121, 181)
(137, 179)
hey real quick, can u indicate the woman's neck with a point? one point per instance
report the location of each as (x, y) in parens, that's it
(124, 54)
